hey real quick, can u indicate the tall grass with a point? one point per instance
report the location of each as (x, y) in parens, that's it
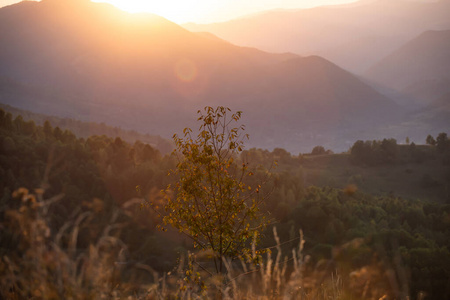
(38, 263)
(41, 264)
(275, 277)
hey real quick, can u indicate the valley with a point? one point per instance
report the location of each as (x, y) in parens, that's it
(126, 171)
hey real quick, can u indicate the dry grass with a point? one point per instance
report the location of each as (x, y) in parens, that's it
(49, 265)
(46, 265)
(269, 279)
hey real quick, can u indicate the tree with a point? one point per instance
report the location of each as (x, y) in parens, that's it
(48, 129)
(430, 140)
(18, 123)
(361, 152)
(318, 150)
(390, 150)
(442, 142)
(211, 202)
(57, 133)
(5, 119)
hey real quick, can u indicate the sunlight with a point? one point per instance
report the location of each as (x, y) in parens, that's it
(175, 10)
(142, 6)
(206, 11)
(211, 11)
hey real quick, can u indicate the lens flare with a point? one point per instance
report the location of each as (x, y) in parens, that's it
(186, 70)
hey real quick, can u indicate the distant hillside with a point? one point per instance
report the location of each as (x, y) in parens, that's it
(420, 68)
(406, 180)
(354, 36)
(93, 62)
(436, 114)
(87, 129)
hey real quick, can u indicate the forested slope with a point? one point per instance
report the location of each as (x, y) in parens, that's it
(100, 187)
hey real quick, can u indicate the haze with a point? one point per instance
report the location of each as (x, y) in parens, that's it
(351, 101)
(207, 11)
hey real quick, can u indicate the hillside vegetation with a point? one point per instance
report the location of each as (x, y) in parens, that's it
(86, 129)
(76, 222)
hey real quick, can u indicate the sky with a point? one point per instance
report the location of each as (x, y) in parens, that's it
(207, 11)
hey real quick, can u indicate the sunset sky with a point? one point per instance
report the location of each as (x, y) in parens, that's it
(207, 11)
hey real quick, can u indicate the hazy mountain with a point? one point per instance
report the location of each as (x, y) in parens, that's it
(94, 62)
(354, 36)
(434, 118)
(420, 68)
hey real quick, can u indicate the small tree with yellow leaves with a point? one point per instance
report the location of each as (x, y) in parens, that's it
(211, 201)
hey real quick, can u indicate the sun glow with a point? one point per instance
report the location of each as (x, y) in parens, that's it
(211, 11)
(178, 11)
(206, 11)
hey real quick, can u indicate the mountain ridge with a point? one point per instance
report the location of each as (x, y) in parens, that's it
(109, 66)
(420, 67)
(350, 36)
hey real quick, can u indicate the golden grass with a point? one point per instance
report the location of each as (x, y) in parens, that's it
(49, 265)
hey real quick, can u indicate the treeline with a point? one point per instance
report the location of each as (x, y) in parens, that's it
(87, 129)
(387, 151)
(392, 239)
